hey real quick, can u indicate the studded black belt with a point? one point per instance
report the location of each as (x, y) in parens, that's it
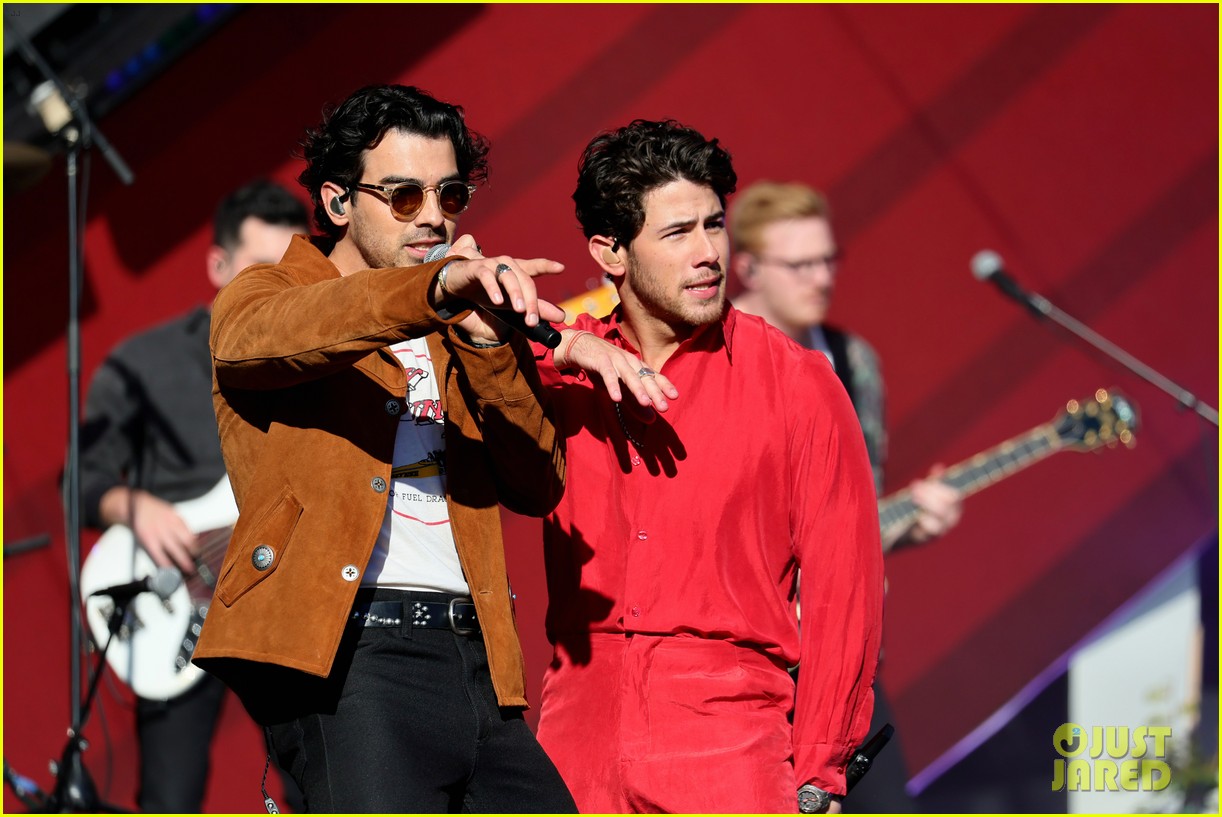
(456, 615)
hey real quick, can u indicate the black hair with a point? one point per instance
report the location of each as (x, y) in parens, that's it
(619, 167)
(334, 151)
(261, 199)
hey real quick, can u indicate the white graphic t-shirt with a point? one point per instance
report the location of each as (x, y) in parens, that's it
(415, 548)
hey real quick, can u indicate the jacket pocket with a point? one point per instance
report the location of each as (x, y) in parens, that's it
(259, 549)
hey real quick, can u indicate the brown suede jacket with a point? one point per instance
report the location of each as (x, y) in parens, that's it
(307, 401)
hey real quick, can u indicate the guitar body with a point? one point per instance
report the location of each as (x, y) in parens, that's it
(151, 653)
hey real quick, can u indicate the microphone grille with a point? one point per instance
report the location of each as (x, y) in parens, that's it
(986, 264)
(165, 581)
(436, 253)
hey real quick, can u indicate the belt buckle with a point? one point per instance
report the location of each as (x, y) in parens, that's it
(450, 617)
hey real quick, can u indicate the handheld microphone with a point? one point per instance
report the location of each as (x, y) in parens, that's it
(543, 332)
(164, 582)
(863, 758)
(988, 266)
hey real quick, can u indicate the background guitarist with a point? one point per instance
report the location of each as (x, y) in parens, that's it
(786, 257)
(149, 439)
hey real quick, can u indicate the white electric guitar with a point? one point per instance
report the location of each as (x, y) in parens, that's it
(152, 650)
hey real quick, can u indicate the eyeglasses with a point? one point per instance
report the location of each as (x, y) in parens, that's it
(407, 198)
(808, 265)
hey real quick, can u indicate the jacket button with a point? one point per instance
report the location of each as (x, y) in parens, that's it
(262, 558)
(350, 573)
(393, 407)
(378, 484)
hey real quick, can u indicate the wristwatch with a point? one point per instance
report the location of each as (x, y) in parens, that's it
(812, 800)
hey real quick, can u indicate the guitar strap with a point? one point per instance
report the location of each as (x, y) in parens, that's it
(837, 342)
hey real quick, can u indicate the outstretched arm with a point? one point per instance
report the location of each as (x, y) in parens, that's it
(501, 282)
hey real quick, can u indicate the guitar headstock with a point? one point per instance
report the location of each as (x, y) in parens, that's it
(1106, 419)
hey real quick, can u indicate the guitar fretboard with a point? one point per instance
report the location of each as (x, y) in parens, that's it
(977, 473)
(212, 546)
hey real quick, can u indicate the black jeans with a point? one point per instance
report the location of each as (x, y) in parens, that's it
(174, 737)
(407, 722)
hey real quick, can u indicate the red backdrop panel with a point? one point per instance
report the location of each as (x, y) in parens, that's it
(1079, 141)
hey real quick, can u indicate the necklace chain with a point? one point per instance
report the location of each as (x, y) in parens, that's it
(619, 415)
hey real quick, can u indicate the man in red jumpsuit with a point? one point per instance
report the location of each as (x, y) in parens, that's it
(671, 560)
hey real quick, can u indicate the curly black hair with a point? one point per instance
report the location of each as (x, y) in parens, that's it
(334, 151)
(619, 167)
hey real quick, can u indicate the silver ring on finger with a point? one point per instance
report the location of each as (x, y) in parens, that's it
(501, 269)
(645, 371)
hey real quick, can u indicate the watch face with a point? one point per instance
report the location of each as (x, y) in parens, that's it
(812, 800)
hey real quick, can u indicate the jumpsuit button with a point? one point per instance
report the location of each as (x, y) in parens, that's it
(636, 612)
(642, 535)
(393, 407)
(378, 484)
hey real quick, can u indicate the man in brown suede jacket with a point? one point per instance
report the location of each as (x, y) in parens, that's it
(371, 424)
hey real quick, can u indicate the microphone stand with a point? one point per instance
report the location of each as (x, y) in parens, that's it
(80, 134)
(74, 788)
(91, 136)
(1041, 307)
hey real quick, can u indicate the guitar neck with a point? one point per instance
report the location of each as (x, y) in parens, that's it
(212, 546)
(977, 473)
